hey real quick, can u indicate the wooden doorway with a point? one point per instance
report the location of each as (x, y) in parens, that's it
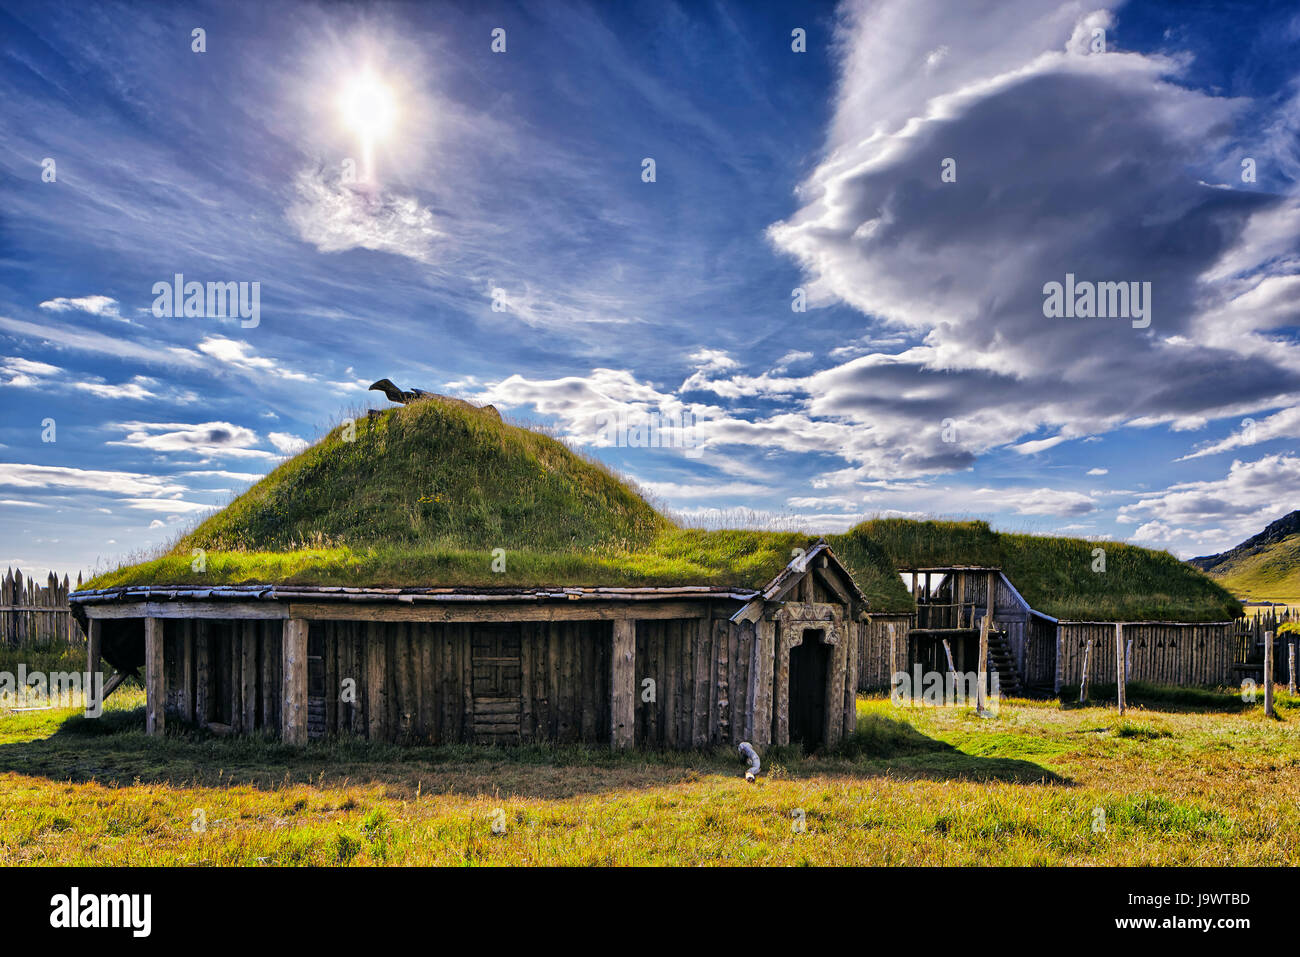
(497, 683)
(809, 668)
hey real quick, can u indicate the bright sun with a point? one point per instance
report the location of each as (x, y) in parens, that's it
(369, 109)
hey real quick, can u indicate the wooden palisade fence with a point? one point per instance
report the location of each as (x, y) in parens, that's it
(32, 614)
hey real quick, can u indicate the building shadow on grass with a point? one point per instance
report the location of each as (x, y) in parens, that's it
(889, 746)
(113, 751)
(1171, 700)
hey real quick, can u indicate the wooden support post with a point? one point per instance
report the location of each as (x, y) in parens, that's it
(186, 701)
(293, 710)
(853, 635)
(760, 735)
(1268, 673)
(201, 672)
(781, 687)
(947, 650)
(248, 674)
(155, 691)
(622, 685)
(94, 647)
(1290, 655)
(835, 684)
(1121, 673)
(982, 675)
(1060, 665)
(1083, 677)
(893, 655)
(376, 646)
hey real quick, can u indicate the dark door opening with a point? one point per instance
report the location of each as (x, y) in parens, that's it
(809, 664)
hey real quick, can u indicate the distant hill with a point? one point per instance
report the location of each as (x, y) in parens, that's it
(1264, 566)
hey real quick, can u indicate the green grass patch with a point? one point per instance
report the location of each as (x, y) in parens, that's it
(1038, 784)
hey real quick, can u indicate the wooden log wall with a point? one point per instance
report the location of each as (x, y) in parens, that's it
(1040, 654)
(434, 683)
(699, 669)
(33, 615)
(1163, 653)
(708, 682)
(874, 668)
(685, 683)
(223, 674)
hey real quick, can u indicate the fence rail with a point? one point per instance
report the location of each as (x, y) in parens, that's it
(33, 614)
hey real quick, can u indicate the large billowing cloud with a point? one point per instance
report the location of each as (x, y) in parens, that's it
(1098, 164)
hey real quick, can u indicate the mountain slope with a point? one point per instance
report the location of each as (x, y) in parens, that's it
(1263, 567)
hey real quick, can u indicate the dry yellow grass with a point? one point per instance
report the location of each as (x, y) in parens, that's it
(1038, 784)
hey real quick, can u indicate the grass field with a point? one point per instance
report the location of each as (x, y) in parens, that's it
(1186, 778)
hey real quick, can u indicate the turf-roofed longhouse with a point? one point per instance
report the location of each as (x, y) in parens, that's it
(433, 574)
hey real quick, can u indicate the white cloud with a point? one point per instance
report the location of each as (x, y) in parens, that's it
(110, 482)
(82, 340)
(334, 217)
(1215, 514)
(675, 490)
(286, 443)
(169, 506)
(240, 356)
(104, 306)
(948, 264)
(1284, 424)
(140, 387)
(224, 474)
(789, 359)
(1098, 471)
(26, 373)
(207, 439)
(713, 360)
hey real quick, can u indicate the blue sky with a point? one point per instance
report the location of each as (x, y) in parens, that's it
(923, 377)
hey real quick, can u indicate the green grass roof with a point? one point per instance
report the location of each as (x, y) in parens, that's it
(422, 496)
(1055, 575)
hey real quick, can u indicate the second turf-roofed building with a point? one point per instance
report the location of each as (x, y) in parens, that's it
(431, 574)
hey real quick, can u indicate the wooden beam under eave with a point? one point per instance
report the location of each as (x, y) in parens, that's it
(293, 711)
(188, 609)
(499, 612)
(622, 685)
(154, 685)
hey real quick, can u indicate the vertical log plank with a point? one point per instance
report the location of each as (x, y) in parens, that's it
(293, 710)
(1121, 673)
(155, 690)
(622, 684)
(1268, 673)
